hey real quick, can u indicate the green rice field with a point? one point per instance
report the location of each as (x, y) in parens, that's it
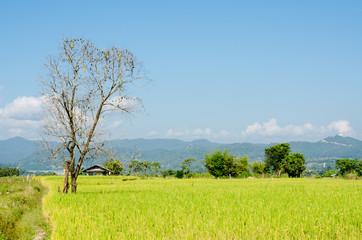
(282, 208)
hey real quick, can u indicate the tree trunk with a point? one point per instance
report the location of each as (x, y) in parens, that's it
(66, 176)
(74, 183)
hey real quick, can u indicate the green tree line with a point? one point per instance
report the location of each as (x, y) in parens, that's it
(346, 166)
(8, 172)
(277, 160)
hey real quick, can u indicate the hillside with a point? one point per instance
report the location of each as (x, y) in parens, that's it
(14, 149)
(171, 152)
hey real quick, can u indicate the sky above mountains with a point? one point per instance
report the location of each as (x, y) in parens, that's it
(227, 71)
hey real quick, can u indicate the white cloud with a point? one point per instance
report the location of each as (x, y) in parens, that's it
(198, 133)
(22, 117)
(116, 124)
(341, 126)
(224, 133)
(201, 132)
(271, 128)
(182, 133)
(266, 132)
(151, 134)
(24, 128)
(23, 108)
(272, 131)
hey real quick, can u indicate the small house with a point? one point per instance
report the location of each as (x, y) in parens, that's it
(97, 169)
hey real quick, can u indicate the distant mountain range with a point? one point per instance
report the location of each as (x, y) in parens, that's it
(170, 153)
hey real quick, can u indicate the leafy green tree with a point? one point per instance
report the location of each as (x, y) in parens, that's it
(329, 172)
(274, 156)
(359, 168)
(218, 163)
(145, 167)
(185, 165)
(242, 164)
(346, 165)
(258, 167)
(223, 164)
(8, 172)
(114, 165)
(168, 173)
(134, 166)
(293, 165)
(155, 168)
(179, 174)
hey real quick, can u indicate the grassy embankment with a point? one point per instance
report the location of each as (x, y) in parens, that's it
(109, 208)
(21, 214)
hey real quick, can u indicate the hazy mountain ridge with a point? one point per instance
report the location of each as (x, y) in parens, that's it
(171, 152)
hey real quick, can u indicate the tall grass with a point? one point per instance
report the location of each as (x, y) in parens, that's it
(109, 208)
(21, 208)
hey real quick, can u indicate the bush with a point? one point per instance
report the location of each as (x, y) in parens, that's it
(192, 175)
(346, 165)
(168, 173)
(358, 168)
(328, 173)
(351, 176)
(179, 174)
(244, 175)
(258, 167)
(114, 165)
(206, 175)
(8, 172)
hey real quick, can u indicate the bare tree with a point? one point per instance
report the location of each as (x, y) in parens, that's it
(82, 85)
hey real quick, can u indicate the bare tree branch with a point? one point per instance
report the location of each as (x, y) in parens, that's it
(82, 85)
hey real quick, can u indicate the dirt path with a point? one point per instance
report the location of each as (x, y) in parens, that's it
(40, 235)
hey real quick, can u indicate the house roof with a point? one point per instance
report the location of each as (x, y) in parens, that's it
(96, 168)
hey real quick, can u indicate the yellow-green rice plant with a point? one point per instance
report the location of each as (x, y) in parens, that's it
(109, 208)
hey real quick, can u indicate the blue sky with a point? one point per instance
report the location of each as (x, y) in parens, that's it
(227, 71)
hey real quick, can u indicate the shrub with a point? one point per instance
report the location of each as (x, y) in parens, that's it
(346, 165)
(328, 173)
(244, 175)
(168, 173)
(179, 174)
(192, 175)
(206, 175)
(351, 176)
(258, 167)
(358, 168)
(8, 172)
(114, 165)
